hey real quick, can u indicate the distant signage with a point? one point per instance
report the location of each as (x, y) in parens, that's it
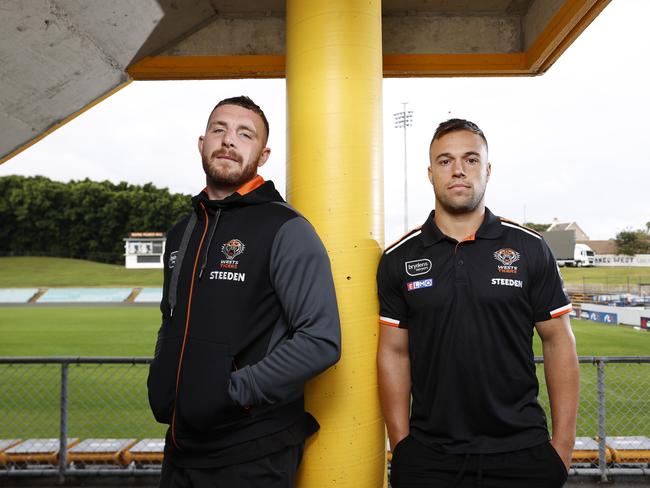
(146, 234)
(602, 317)
(645, 321)
(576, 312)
(621, 260)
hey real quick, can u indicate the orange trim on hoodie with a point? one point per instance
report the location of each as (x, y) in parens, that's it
(250, 185)
(187, 324)
(247, 187)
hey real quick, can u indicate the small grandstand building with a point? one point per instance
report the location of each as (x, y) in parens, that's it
(144, 250)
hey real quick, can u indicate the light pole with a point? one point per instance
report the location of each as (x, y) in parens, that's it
(403, 120)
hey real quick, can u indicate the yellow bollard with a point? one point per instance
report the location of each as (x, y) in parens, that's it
(334, 177)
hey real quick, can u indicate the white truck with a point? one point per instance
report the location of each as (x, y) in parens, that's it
(583, 255)
(566, 250)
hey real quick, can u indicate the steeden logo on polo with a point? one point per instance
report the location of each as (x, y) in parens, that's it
(417, 267)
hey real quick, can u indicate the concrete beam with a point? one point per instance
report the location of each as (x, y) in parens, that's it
(402, 34)
(537, 18)
(435, 34)
(234, 35)
(66, 70)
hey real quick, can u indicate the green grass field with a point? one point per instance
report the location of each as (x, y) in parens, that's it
(606, 275)
(105, 400)
(26, 272)
(130, 331)
(78, 331)
(110, 400)
(22, 272)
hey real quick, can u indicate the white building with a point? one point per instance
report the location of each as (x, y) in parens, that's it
(144, 250)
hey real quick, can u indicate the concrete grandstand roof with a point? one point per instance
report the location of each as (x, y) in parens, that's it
(59, 57)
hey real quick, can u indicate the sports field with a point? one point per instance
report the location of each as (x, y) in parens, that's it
(29, 272)
(130, 331)
(623, 275)
(110, 400)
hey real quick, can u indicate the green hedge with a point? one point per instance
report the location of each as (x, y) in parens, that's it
(81, 219)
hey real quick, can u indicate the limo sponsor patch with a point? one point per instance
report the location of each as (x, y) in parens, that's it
(416, 285)
(417, 267)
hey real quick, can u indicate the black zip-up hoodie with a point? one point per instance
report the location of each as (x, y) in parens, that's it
(249, 315)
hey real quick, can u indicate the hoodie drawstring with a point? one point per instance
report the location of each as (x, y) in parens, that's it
(207, 248)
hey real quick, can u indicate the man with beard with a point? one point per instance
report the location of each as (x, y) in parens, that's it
(459, 298)
(249, 315)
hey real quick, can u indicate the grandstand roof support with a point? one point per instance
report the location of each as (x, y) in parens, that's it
(334, 177)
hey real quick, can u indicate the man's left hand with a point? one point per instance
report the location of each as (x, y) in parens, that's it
(564, 451)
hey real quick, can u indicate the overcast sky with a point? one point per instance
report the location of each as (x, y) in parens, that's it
(571, 144)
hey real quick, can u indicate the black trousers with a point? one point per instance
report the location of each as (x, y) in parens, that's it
(415, 465)
(278, 470)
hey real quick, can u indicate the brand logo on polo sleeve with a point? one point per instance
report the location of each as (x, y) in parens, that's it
(507, 256)
(417, 267)
(172, 259)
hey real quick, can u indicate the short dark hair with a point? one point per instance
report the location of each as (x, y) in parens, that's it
(454, 125)
(245, 102)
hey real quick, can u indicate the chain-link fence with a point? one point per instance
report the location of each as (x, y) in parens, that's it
(83, 416)
(613, 430)
(77, 416)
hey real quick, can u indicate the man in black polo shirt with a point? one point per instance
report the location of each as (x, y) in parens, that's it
(459, 298)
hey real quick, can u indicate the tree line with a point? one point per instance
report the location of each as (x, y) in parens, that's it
(88, 219)
(628, 241)
(81, 219)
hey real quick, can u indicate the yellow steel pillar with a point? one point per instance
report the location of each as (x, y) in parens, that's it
(334, 177)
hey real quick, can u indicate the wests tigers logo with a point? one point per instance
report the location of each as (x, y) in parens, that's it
(233, 248)
(507, 256)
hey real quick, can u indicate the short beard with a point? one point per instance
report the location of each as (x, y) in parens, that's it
(227, 180)
(462, 209)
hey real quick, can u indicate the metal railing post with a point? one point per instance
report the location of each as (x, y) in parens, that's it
(63, 432)
(602, 458)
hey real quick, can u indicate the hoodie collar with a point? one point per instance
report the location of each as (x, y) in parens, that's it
(253, 192)
(250, 185)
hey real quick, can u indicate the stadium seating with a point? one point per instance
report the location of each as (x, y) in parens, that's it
(36, 451)
(85, 295)
(100, 451)
(96, 452)
(16, 295)
(632, 449)
(4, 445)
(146, 451)
(149, 295)
(585, 450)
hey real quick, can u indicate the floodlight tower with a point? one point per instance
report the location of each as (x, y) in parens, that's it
(403, 120)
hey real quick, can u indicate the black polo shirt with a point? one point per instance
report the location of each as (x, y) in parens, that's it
(470, 308)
